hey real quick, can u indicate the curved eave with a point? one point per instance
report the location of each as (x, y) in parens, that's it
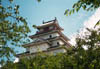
(49, 24)
(46, 51)
(54, 31)
(66, 42)
(36, 35)
(41, 42)
(47, 41)
(34, 43)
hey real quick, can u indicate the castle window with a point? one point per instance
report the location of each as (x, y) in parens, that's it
(58, 43)
(50, 36)
(27, 51)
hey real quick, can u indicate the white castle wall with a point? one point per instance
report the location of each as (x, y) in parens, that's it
(54, 43)
(54, 52)
(57, 51)
(41, 47)
(46, 36)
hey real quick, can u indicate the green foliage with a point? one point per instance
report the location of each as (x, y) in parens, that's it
(87, 5)
(13, 28)
(40, 62)
(75, 58)
(97, 24)
(38, 0)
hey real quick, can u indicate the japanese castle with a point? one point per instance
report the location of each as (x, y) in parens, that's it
(48, 39)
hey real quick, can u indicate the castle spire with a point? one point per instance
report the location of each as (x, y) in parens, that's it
(43, 21)
(55, 18)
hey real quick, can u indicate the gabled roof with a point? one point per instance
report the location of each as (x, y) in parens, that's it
(50, 23)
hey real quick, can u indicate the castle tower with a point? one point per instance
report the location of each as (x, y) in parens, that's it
(49, 39)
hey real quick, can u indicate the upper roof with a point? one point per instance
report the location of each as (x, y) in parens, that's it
(56, 28)
(50, 23)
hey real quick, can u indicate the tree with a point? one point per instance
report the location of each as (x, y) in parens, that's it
(41, 62)
(88, 58)
(87, 5)
(13, 29)
(76, 58)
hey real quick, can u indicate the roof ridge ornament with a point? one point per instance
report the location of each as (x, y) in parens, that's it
(43, 22)
(55, 18)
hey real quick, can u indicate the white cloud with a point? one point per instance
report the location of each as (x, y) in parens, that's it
(16, 60)
(93, 19)
(0, 66)
(90, 23)
(72, 39)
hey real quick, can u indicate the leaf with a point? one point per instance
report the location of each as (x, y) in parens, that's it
(0, 6)
(77, 9)
(38, 0)
(10, 1)
(10, 7)
(73, 10)
(34, 26)
(74, 5)
(70, 12)
(84, 7)
(66, 12)
(98, 23)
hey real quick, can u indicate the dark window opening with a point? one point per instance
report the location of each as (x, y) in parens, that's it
(27, 51)
(58, 43)
(50, 36)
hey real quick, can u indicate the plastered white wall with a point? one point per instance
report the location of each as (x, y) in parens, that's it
(41, 47)
(54, 43)
(57, 51)
(46, 36)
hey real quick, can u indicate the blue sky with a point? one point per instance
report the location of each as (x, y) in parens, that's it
(49, 9)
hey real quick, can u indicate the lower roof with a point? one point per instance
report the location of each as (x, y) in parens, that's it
(47, 41)
(49, 50)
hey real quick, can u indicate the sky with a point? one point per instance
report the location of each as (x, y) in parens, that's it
(47, 10)
(89, 23)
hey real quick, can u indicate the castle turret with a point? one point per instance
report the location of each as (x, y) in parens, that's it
(49, 39)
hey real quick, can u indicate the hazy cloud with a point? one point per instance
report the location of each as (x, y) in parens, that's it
(90, 23)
